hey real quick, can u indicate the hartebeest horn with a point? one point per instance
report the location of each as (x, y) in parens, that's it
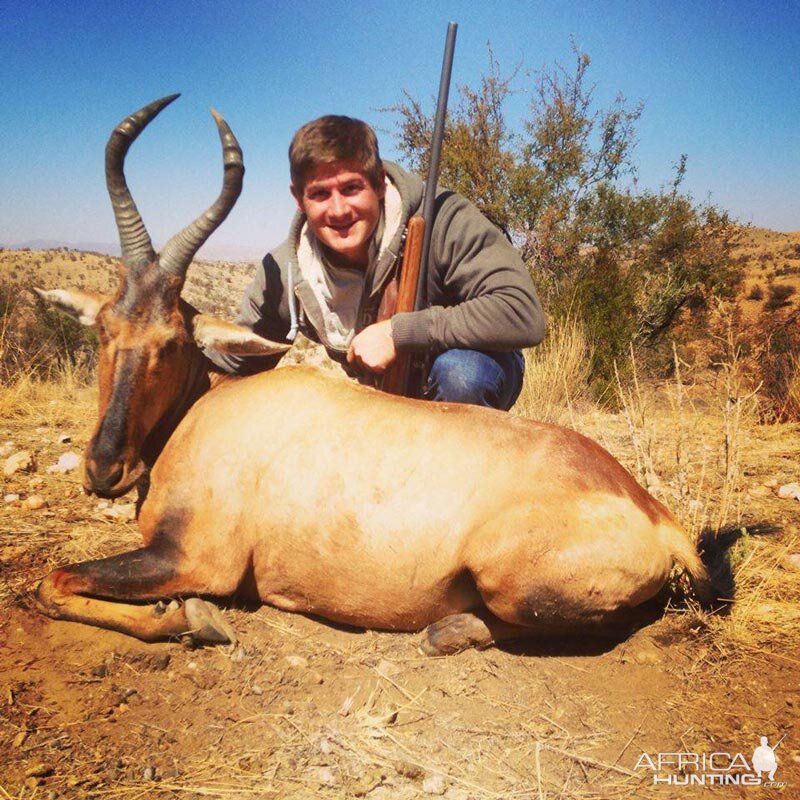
(179, 251)
(137, 249)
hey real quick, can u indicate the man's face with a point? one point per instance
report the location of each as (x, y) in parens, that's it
(343, 209)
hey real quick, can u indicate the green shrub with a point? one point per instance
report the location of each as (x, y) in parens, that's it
(35, 339)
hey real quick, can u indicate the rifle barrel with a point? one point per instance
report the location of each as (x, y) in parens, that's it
(433, 166)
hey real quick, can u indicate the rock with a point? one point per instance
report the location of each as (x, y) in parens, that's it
(434, 784)
(65, 438)
(160, 662)
(38, 770)
(297, 661)
(149, 773)
(323, 776)
(761, 491)
(11, 498)
(789, 490)
(256, 690)
(387, 668)
(325, 746)
(66, 463)
(793, 561)
(6, 448)
(21, 461)
(125, 512)
(34, 502)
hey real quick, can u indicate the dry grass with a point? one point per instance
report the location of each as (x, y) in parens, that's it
(556, 375)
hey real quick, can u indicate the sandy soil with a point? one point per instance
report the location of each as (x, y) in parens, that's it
(305, 709)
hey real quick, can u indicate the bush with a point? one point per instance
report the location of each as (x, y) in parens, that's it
(35, 339)
(625, 261)
(779, 294)
(779, 367)
(756, 293)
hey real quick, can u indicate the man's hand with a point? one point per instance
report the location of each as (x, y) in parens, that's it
(373, 349)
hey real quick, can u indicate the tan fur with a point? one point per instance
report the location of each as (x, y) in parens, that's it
(389, 513)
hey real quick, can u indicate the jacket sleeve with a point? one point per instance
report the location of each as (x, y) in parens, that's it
(481, 295)
(264, 309)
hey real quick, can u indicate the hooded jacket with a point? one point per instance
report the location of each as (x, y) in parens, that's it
(479, 293)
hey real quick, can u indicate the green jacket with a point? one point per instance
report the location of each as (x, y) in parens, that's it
(480, 295)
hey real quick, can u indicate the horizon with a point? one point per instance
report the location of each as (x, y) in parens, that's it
(713, 79)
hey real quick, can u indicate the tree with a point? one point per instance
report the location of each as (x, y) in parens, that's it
(563, 189)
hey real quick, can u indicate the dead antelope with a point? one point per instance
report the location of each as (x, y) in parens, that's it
(471, 522)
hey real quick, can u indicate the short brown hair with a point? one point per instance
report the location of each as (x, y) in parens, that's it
(334, 138)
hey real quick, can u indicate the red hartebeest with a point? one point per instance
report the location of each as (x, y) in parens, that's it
(332, 498)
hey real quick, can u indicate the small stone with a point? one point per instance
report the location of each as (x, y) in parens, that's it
(21, 461)
(6, 448)
(761, 491)
(11, 498)
(149, 773)
(409, 770)
(66, 463)
(34, 502)
(65, 438)
(296, 661)
(35, 482)
(434, 784)
(103, 504)
(125, 512)
(38, 770)
(324, 776)
(256, 690)
(388, 668)
(789, 491)
(793, 561)
(239, 654)
(100, 671)
(19, 739)
(647, 657)
(160, 662)
(326, 748)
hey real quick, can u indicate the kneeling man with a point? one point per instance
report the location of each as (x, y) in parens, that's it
(329, 277)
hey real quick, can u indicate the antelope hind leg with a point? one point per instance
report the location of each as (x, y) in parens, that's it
(457, 632)
(78, 593)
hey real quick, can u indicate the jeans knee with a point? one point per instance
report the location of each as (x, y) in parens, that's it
(477, 378)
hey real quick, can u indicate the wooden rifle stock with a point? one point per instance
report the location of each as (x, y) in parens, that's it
(395, 379)
(413, 289)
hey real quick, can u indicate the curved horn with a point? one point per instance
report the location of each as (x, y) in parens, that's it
(137, 249)
(179, 251)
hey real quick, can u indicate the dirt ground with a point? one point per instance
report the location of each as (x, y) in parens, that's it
(303, 709)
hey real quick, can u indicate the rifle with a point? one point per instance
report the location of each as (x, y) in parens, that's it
(412, 290)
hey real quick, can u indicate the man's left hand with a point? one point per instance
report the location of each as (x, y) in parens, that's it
(373, 349)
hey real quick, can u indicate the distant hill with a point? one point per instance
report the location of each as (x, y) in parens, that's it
(209, 252)
(214, 287)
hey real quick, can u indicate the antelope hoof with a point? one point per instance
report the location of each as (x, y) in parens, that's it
(206, 623)
(455, 633)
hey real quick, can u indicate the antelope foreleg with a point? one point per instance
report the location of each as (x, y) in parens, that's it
(77, 593)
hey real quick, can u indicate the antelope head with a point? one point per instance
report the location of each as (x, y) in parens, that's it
(148, 336)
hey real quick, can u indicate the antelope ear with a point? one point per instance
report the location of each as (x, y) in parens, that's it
(82, 306)
(232, 339)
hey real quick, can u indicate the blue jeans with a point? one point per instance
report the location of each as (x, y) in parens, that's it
(476, 377)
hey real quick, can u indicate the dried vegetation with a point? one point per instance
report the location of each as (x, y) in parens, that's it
(304, 709)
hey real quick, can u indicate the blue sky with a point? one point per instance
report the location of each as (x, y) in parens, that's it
(720, 82)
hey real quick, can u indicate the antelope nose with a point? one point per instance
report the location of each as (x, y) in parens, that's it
(104, 477)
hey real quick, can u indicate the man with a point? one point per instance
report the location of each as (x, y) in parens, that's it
(343, 250)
